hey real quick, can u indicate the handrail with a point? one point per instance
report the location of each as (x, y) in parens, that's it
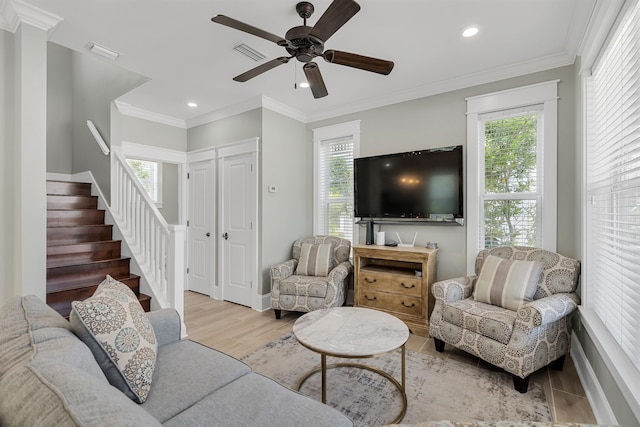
(159, 248)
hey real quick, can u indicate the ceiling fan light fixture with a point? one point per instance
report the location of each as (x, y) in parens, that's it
(470, 31)
(304, 85)
(192, 104)
(103, 51)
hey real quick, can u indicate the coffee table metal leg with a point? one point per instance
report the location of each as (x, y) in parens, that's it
(403, 367)
(323, 363)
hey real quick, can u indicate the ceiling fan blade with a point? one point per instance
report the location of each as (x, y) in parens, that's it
(336, 15)
(314, 78)
(233, 23)
(261, 69)
(366, 63)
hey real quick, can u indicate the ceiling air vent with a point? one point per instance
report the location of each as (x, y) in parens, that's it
(249, 52)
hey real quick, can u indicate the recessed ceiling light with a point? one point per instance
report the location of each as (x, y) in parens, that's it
(470, 32)
(304, 84)
(192, 104)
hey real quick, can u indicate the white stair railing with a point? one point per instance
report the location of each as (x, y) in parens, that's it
(158, 248)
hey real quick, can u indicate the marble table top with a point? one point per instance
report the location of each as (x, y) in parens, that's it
(350, 331)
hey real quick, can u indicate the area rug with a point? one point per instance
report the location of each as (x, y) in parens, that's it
(437, 388)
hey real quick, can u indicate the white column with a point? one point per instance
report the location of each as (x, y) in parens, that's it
(30, 161)
(176, 270)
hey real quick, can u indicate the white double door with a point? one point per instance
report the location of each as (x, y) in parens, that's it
(226, 223)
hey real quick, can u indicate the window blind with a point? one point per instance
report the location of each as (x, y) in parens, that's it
(612, 231)
(336, 187)
(511, 189)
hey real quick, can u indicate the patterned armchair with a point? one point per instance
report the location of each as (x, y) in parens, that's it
(522, 341)
(293, 291)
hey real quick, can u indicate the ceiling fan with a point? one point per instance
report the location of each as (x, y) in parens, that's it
(305, 43)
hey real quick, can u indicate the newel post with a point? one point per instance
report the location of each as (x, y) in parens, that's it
(176, 270)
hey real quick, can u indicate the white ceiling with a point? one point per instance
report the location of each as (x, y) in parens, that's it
(189, 58)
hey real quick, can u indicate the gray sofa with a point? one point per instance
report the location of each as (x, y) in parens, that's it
(49, 377)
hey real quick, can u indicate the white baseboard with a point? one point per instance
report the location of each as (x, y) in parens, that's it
(595, 394)
(262, 302)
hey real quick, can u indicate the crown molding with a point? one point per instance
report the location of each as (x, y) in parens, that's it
(261, 101)
(450, 85)
(131, 111)
(15, 12)
(251, 104)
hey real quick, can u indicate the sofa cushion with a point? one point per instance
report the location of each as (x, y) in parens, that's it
(113, 325)
(484, 319)
(507, 283)
(31, 330)
(315, 259)
(243, 403)
(48, 392)
(187, 372)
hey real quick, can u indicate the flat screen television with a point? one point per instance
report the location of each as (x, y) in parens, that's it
(425, 184)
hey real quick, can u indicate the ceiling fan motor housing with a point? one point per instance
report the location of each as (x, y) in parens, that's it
(304, 48)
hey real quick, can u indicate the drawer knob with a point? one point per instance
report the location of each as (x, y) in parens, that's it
(413, 304)
(366, 279)
(368, 298)
(413, 285)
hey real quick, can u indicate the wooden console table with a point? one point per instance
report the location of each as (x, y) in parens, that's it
(385, 279)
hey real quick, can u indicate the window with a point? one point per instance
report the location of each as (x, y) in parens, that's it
(511, 164)
(149, 174)
(611, 272)
(334, 151)
(510, 192)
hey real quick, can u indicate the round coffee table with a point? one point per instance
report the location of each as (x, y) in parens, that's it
(352, 333)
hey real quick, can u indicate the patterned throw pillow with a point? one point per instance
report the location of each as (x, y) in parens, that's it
(114, 326)
(507, 283)
(315, 259)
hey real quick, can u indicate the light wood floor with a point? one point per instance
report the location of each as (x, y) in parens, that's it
(238, 331)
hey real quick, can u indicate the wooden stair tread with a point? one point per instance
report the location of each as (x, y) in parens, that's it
(81, 284)
(80, 253)
(81, 250)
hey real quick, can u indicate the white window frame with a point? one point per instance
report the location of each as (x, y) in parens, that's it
(545, 94)
(162, 155)
(157, 182)
(622, 369)
(327, 133)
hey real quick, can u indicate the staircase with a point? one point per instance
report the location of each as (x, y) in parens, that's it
(80, 248)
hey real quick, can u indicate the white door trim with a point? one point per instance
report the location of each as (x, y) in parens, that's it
(247, 146)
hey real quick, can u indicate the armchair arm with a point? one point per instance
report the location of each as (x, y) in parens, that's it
(453, 289)
(546, 310)
(340, 272)
(284, 270)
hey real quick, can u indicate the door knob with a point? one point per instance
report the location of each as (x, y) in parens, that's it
(225, 236)
(208, 234)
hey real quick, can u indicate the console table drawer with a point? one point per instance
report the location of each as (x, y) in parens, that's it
(395, 303)
(404, 284)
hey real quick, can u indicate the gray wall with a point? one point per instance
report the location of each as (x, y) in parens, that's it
(151, 133)
(96, 83)
(146, 132)
(440, 120)
(224, 131)
(6, 164)
(170, 199)
(285, 214)
(59, 109)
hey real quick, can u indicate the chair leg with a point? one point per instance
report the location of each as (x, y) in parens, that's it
(557, 364)
(520, 384)
(277, 312)
(439, 345)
